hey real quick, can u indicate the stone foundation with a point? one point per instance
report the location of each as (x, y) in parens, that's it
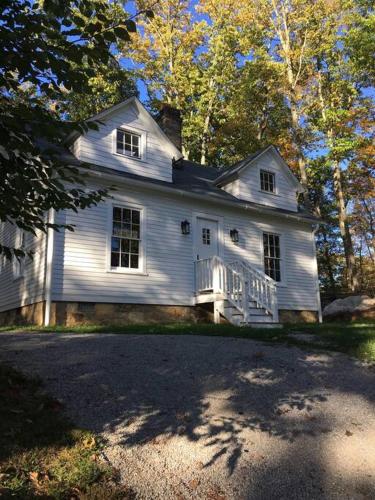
(32, 314)
(79, 313)
(293, 316)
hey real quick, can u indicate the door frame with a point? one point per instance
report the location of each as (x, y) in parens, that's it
(220, 231)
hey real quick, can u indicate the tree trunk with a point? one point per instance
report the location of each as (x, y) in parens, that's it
(328, 262)
(293, 77)
(262, 127)
(352, 277)
(300, 156)
(204, 140)
(206, 128)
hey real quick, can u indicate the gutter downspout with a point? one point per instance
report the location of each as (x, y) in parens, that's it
(48, 269)
(317, 275)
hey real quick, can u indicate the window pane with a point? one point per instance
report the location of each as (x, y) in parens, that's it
(116, 213)
(135, 140)
(125, 246)
(134, 261)
(126, 230)
(135, 231)
(115, 244)
(117, 228)
(135, 151)
(135, 216)
(115, 259)
(134, 246)
(128, 138)
(120, 147)
(124, 260)
(126, 215)
(120, 136)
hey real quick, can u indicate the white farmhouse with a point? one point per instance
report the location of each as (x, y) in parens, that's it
(176, 241)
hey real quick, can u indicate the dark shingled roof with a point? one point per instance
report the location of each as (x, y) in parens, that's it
(230, 172)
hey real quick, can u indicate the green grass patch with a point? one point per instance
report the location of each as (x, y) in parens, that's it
(356, 339)
(42, 454)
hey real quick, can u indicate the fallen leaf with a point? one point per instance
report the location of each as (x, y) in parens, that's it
(348, 433)
(193, 484)
(89, 442)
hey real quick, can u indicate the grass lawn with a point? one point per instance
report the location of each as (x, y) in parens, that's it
(41, 453)
(356, 339)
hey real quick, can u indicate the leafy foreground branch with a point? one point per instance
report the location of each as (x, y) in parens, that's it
(41, 453)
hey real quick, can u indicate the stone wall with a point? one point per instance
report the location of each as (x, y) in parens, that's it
(25, 315)
(77, 313)
(292, 316)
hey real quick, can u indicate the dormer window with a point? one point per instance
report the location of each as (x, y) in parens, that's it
(128, 143)
(267, 181)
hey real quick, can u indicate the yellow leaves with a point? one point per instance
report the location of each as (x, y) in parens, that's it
(89, 442)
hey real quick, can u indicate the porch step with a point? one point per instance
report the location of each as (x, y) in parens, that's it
(258, 311)
(260, 325)
(259, 318)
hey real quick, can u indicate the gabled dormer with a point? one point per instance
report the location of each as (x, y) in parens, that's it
(263, 178)
(128, 139)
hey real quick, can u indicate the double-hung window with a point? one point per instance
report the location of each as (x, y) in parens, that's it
(126, 243)
(128, 143)
(272, 257)
(267, 181)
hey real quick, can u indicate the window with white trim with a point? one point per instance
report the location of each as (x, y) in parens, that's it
(128, 143)
(267, 181)
(272, 257)
(126, 238)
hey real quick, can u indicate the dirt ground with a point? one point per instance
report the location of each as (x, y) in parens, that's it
(214, 418)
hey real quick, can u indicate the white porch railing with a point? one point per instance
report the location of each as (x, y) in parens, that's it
(239, 283)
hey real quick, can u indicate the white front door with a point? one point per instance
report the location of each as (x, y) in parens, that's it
(207, 241)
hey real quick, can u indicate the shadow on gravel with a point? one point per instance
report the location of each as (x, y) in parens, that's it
(153, 388)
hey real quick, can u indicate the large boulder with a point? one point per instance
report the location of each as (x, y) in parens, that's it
(350, 308)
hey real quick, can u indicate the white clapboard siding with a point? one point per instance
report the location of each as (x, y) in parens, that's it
(16, 292)
(98, 146)
(80, 265)
(247, 187)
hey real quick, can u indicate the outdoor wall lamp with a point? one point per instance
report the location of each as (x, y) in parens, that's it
(234, 235)
(185, 227)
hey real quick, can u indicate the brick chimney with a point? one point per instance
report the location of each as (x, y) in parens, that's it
(170, 121)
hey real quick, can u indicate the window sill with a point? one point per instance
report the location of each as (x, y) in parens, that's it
(140, 160)
(136, 272)
(268, 192)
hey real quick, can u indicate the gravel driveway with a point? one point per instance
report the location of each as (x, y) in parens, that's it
(214, 418)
